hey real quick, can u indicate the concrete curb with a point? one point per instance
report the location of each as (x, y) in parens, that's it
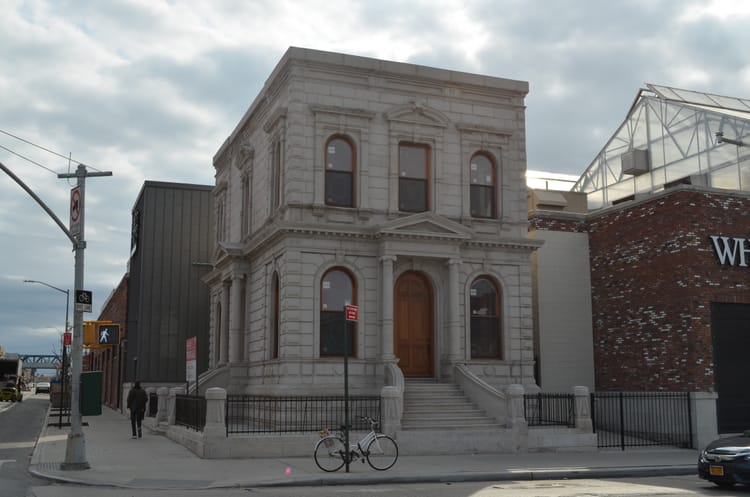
(343, 479)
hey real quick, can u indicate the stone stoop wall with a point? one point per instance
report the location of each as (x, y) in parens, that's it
(416, 442)
(654, 275)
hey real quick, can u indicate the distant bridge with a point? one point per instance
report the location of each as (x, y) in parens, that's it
(35, 361)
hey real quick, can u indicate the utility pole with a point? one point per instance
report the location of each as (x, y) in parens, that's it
(75, 449)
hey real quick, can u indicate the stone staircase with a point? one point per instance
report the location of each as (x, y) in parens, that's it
(429, 405)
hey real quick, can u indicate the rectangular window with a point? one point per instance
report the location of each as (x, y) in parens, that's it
(413, 177)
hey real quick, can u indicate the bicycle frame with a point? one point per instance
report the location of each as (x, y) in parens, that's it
(369, 448)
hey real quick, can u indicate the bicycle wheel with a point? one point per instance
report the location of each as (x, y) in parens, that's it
(329, 453)
(382, 452)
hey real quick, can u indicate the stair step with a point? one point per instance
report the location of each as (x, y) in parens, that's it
(429, 405)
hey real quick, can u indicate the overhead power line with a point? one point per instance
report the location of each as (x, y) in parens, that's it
(33, 144)
(26, 158)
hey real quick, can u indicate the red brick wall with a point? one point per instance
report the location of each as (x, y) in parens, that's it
(109, 360)
(654, 275)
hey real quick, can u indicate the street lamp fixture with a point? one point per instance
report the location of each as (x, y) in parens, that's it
(64, 355)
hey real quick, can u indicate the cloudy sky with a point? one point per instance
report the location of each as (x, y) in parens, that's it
(149, 89)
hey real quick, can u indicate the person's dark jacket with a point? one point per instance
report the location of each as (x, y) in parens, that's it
(137, 400)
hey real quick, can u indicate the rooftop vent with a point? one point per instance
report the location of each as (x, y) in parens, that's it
(635, 162)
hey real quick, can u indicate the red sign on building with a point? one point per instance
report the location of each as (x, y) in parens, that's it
(352, 312)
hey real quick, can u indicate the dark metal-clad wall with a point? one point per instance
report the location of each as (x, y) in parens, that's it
(168, 302)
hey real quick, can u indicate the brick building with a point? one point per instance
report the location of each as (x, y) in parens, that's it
(664, 231)
(111, 360)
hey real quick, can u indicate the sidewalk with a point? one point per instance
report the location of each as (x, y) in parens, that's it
(156, 462)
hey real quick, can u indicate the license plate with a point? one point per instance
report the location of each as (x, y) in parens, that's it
(716, 470)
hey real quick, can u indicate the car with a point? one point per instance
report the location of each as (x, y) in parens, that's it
(42, 386)
(726, 461)
(11, 392)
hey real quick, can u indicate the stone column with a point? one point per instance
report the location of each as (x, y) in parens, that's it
(236, 310)
(224, 332)
(216, 425)
(172, 403)
(454, 328)
(583, 408)
(392, 410)
(705, 428)
(516, 417)
(386, 292)
(162, 414)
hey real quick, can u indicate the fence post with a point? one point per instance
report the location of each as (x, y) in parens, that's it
(704, 427)
(216, 422)
(172, 403)
(582, 409)
(392, 409)
(515, 406)
(162, 414)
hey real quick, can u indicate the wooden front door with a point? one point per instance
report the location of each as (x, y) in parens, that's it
(413, 324)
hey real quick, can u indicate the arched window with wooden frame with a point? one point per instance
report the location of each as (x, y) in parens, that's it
(337, 289)
(340, 169)
(486, 322)
(483, 186)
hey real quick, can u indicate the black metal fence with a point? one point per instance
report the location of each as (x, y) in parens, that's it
(549, 409)
(267, 414)
(153, 405)
(636, 419)
(190, 411)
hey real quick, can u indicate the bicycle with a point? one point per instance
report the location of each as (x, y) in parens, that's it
(379, 450)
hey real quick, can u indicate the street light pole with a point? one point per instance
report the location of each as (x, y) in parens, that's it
(64, 355)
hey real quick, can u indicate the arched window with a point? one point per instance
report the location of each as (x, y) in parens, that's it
(336, 291)
(486, 330)
(275, 317)
(339, 172)
(483, 186)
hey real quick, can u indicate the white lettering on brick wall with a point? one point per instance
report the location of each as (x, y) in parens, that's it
(731, 251)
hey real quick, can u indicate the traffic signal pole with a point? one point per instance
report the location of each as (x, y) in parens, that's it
(75, 449)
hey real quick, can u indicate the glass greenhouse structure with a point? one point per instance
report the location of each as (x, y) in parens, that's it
(669, 137)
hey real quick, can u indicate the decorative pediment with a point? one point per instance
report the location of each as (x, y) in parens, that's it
(227, 250)
(425, 224)
(417, 113)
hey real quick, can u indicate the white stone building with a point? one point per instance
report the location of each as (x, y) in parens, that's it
(393, 187)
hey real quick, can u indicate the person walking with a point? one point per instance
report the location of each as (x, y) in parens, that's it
(137, 399)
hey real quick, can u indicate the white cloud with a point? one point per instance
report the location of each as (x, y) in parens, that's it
(149, 89)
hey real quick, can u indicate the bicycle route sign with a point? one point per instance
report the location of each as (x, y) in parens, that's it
(84, 298)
